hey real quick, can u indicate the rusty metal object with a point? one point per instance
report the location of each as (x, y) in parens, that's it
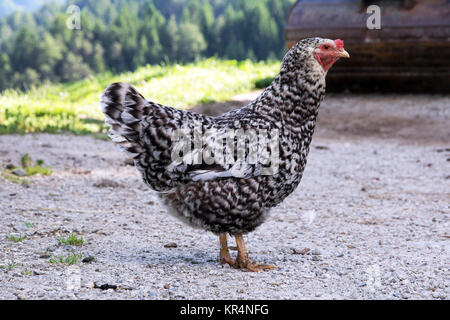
(411, 48)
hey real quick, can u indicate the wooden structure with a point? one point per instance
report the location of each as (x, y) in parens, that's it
(411, 51)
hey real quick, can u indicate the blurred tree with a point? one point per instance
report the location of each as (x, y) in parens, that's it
(49, 56)
(5, 70)
(26, 48)
(120, 35)
(152, 27)
(73, 68)
(191, 42)
(169, 39)
(26, 79)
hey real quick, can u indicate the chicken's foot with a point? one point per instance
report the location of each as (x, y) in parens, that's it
(242, 261)
(225, 256)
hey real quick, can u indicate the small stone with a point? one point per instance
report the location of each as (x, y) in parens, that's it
(302, 252)
(167, 286)
(21, 296)
(316, 252)
(19, 172)
(171, 245)
(88, 259)
(44, 256)
(105, 286)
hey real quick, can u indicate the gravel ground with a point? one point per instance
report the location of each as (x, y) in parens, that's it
(370, 219)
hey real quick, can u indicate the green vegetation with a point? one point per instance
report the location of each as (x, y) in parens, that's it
(72, 240)
(15, 238)
(37, 169)
(123, 35)
(26, 160)
(10, 266)
(27, 272)
(28, 169)
(29, 225)
(71, 259)
(175, 52)
(75, 107)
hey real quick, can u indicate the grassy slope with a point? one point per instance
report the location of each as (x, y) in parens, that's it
(75, 107)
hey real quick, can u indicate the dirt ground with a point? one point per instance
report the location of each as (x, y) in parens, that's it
(370, 219)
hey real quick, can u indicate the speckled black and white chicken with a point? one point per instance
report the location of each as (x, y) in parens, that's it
(220, 197)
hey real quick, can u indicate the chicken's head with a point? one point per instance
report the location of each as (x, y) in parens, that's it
(314, 54)
(328, 52)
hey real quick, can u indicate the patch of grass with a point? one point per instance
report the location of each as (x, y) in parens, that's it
(37, 169)
(72, 240)
(71, 259)
(75, 107)
(10, 266)
(27, 273)
(26, 160)
(15, 238)
(29, 225)
(28, 167)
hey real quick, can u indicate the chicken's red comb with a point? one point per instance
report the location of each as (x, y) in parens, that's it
(339, 44)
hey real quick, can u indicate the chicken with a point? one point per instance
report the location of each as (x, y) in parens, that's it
(233, 196)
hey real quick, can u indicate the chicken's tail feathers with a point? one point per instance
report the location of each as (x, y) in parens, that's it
(124, 109)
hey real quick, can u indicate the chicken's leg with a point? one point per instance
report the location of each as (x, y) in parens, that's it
(243, 262)
(224, 253)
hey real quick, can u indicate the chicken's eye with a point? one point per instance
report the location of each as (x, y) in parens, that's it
(326, 47)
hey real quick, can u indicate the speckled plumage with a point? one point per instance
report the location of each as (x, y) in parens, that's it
(223, 202)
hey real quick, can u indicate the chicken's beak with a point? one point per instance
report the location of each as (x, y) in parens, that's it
(343, 54)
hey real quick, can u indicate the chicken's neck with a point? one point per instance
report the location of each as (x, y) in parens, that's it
(293, 98)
